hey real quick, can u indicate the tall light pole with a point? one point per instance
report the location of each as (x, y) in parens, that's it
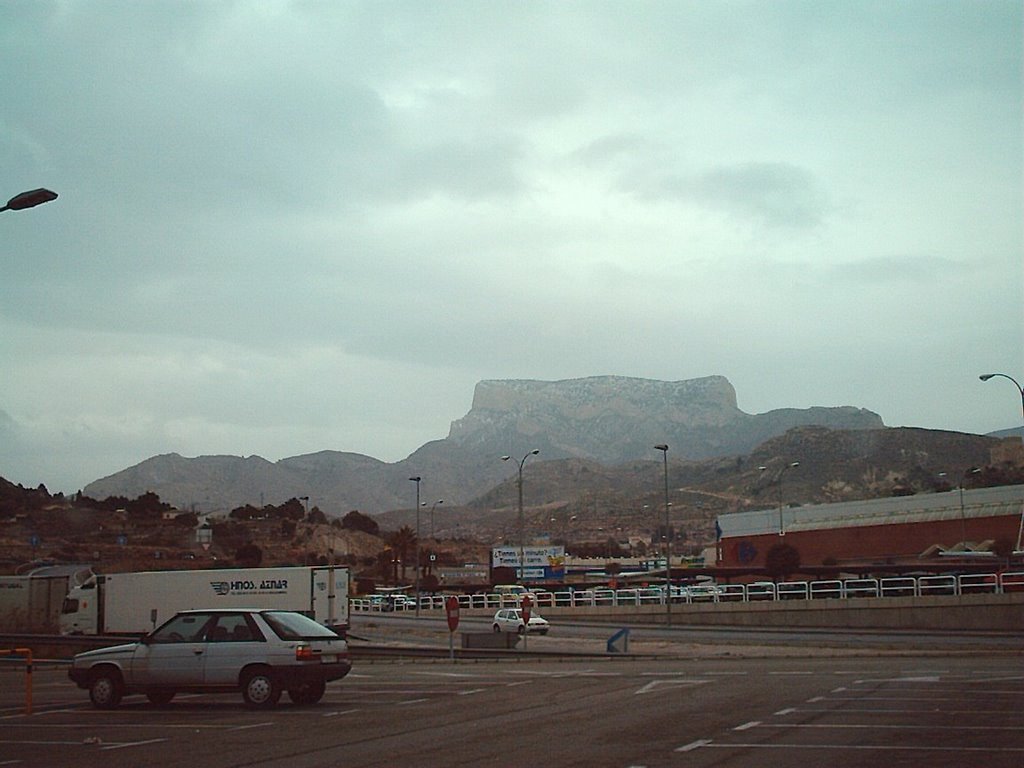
(791, 465)
(439, 501)
(29, 200)
(668, 547)
(416, 480)
(986, 377)
(522, 520)
(963, 517)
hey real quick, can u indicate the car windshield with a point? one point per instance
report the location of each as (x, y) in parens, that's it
(294, 626)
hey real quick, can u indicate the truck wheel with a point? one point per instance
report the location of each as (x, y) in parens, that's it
(260, 689)
(309, 693)
(106, 689)
(160, 698)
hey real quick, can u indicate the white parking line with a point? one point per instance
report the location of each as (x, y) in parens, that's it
(471, 691)
(128, 744)
(888, 727)
(693, 745)
(864, 747)
(674, 682)
(747, 726)
(340, 712)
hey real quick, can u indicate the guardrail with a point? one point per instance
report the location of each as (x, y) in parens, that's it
(838, 589)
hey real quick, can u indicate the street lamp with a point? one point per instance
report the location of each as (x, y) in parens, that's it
(791, 465)
(416, 480)
(963, 517)
(668, 551)
(522, 522)
(439, 501)
(29, 200)
(986, 377)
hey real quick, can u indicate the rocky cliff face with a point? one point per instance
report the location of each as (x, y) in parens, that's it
(605, 419)
(612, 419)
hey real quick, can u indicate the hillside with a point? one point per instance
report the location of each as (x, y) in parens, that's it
(607, 420)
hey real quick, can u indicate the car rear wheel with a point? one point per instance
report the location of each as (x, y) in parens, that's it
(260, 689)
(497, 628)
(106, 689)
(309, 693)
(160, 698)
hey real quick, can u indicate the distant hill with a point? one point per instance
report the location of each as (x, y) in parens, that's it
(606, 420)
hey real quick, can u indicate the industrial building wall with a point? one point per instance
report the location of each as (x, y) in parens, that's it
(874, 543)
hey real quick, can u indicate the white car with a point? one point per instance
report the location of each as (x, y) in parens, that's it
(511, 620)
(258, 652)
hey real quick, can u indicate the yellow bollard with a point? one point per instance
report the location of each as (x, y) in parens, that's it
(27, 653)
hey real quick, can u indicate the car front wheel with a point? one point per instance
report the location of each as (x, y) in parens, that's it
(260, 689)
(309, 693)
(497, 628)
(106, 689)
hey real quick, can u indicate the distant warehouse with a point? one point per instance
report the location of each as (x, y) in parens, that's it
(973, 524)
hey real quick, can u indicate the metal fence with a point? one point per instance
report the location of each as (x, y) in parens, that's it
(840, 589)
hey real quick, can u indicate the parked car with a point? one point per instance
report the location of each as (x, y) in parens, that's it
(258, 652)
(511, 620)
(513, 593)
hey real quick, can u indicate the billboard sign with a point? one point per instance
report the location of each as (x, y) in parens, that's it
(541, 563)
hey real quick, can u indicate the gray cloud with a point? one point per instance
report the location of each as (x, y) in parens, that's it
(295, 226)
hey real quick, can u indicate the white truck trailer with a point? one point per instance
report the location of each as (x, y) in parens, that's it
(135, 603)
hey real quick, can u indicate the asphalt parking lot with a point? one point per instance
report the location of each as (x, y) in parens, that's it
(961, 710)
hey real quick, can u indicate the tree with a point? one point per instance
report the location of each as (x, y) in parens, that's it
(403, 541)
(782, 560)
(249, 556)
(357, 521)
(316, 516)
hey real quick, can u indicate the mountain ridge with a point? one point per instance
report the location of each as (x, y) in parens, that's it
(606, 419)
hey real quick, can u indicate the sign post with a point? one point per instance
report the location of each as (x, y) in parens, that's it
(451, 607)
(524, 609)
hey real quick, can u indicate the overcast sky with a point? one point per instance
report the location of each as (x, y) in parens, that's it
(285, 227)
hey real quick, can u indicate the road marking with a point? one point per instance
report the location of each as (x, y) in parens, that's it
(747, 726)
(413, 701)
(693, 745)
(471, 691)
(250, 726)
(816, 699)
(840, 689)
(891, 727)
(655, 683)
(128, 744)
(795, 672)
(921, 679)
(786, 711)
(340, 712)
(840, 747)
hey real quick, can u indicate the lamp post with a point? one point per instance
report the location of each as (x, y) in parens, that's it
(791, 465)
(416, 480)
(29, 200)
(668, 547)
(522, 521)
(963, 516)
(439, 501)
(986, 377)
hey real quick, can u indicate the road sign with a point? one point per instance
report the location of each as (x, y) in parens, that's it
(451, 607)
(525, 606)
